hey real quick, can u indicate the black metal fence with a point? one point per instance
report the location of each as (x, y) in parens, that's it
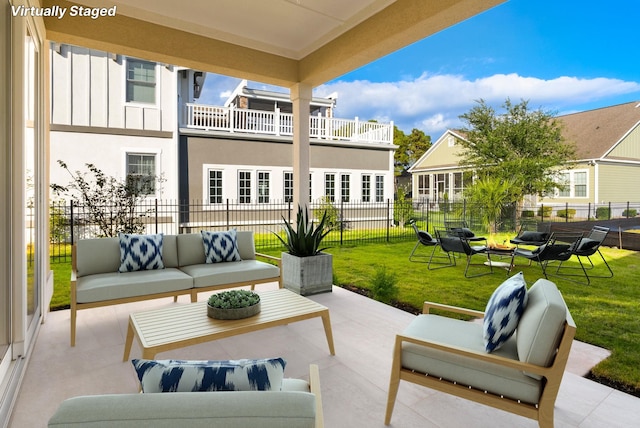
(352, 222)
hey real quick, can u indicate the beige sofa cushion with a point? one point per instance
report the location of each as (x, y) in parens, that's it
(106, 286)
(205, 275)
(239, 409)
(482, 375)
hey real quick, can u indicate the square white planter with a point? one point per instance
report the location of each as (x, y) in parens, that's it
(307, 275)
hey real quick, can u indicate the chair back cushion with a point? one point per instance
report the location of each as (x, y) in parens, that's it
(541, 324)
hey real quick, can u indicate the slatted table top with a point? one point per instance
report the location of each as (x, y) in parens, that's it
(185, 325)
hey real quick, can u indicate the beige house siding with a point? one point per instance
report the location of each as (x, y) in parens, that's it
(629, 148)
(618, 183)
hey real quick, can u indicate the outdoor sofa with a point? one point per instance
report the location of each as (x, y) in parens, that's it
(297, 405)
(96, 280)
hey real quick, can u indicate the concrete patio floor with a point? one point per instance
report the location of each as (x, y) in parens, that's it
(354, 381)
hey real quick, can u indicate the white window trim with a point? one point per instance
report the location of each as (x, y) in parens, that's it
(156, 104)
(572, 185)
(144, 151)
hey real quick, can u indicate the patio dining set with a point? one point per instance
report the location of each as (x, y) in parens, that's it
(542, 247)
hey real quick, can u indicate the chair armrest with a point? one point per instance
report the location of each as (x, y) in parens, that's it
(432, 305)
(278, 260)
(482, 356)
(314, 385)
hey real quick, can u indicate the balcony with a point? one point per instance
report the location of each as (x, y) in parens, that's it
(236, 120)
(354, 381)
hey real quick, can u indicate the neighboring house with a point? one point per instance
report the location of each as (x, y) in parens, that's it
(607, 167)
(116, 112)
(243, 152)
(135, 118)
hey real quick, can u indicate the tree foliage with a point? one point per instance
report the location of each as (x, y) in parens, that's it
(522, 145)
(492, 194)
(410, 147)
(111, 204)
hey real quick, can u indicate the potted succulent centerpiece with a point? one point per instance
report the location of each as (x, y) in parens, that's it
(233, 305)
(306, 269)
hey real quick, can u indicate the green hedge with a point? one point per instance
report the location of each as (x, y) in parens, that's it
(567, 213)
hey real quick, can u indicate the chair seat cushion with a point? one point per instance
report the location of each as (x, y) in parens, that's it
(481, 375)
(210, 274)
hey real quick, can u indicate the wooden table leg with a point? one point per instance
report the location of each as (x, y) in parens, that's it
(326, 321)
(128, 342)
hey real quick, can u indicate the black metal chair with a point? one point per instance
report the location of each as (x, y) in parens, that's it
(587, 247)
(559, 248)
(452, 244)
(529, 235)
(424, 239)
(461, 228)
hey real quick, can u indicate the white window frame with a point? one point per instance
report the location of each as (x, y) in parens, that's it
(126, 151)
(379, 188)
(242, 199)
(287, 186)
(345, 191)
(572, 184)
(330, 191)
(156, 84)
(209, 187)
(365, 193)
(263, 177)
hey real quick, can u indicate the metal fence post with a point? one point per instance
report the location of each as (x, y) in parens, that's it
(72, 222)
(388, 219)
(156, 203)
(341, 220)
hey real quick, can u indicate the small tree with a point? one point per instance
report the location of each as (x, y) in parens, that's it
(491, 195)
(111, 204)
(523, 146)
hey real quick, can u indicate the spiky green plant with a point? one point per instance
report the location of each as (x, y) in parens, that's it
(305, 239)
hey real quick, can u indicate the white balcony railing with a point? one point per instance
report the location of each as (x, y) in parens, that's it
(231, 119)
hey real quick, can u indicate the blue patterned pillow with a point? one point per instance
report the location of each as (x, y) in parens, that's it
(140, 252)
(503, 311)
(220, 246)
(229, 375)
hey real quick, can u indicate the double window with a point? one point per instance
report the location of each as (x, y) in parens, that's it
(330, 187)
(141, 81)
(574, 184)
(345, 187)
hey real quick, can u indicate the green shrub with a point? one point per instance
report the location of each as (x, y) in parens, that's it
(527, 213)
(632, 212)
(603, 213)
(383, 285)
(546, 212)
(567, 213)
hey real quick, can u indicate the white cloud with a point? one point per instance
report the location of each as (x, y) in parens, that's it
(433, 103)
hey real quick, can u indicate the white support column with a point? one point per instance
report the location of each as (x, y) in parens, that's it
(301, 99)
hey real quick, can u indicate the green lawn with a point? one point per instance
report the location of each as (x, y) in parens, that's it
(605, 312)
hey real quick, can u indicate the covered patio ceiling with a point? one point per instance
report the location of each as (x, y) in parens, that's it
(279, 42)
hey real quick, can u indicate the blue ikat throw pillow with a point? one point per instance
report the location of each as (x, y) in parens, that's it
(220, 246)
(194, 376)
(140, 252)
(503, 312)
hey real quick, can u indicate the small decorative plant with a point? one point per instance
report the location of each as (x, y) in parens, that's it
(304, 241)
(234, 299)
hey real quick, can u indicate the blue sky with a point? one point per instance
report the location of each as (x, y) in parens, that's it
(562, 56)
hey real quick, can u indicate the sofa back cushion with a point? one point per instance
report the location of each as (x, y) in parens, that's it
(541, 324)
(191, 248)
(102, 255)
(98, 255)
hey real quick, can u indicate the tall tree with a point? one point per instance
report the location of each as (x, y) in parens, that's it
(521, 145)
(410, 147)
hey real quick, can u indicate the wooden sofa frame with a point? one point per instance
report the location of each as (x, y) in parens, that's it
(193, 292)
(543, 412)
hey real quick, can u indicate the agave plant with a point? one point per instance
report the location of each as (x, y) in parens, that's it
(304, 241)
